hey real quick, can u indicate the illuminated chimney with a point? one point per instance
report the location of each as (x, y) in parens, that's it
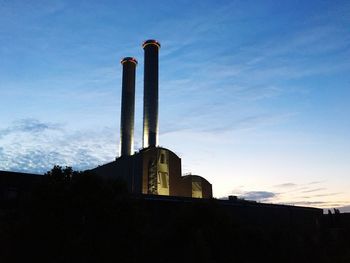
(150, 93)
(128, 107)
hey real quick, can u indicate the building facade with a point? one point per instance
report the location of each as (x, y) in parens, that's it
(155, 171)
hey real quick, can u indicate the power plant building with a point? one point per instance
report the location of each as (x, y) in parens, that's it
(154, 173)
(153, 170)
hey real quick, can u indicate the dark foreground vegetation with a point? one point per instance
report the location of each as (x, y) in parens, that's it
(78, 217)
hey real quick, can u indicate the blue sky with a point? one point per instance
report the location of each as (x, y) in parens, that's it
(254, 95)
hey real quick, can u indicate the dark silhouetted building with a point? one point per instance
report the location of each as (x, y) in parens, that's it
(15, 185)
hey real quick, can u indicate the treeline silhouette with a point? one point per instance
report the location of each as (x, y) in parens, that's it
(79, 217)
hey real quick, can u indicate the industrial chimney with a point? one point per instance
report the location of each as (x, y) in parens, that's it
(150, 93)
(128, 106)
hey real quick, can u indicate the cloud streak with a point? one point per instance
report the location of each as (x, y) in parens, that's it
(286, 185)
(261, 196)
(28, 125)
(314, 190)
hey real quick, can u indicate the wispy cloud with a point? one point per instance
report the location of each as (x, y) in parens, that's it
(29, 125)
(291, 193)
(327, 194)
(314, 190)
(282, 197)
(261, 196)
(286, 185)
(315, 182)
(214, 125)
(34, 146)
(32, 125)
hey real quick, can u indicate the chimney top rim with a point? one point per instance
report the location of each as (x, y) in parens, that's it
(150, 42)
(129, 59)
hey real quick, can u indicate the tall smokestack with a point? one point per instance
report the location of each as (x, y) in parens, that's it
(150, 93)
(128, 106)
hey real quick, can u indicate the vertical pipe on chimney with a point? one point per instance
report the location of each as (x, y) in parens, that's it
(150, 95)
(128, 106)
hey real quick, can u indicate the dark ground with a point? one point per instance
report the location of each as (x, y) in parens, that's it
(78, 217)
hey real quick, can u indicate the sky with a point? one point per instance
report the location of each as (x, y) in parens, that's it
(254, 95)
